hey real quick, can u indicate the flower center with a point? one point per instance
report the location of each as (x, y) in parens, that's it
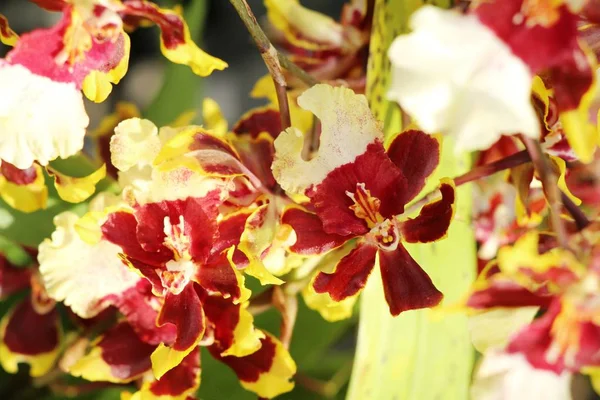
(387, 235)
(176, 239)
(365, 206)
(177, 276)
(541, 12)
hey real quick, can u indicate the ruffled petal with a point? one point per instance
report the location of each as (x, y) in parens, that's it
(347, 128)
(405, 284)
(433, 221)
(473, 93)
(80, 274)
(350, 274)
(40, 119)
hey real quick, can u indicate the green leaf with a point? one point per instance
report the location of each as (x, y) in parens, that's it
(423, 354)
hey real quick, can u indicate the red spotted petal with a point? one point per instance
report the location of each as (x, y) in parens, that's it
(373, 169)
(311, 238)
(181, 380)
(39, 49)
(124, 352)
(417, 155)
(12, 279)
(350, 275)
(553, 35)
(185, 312)
(433, 221)
(30, 333)
(405, 284)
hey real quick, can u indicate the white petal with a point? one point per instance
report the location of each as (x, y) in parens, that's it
(40, 119)
(347, 128)
(80, 274)
(453, 75)
(134, 144)
(502, 376)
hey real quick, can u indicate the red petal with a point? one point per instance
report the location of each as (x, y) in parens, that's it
(135, 304)
(506, 294)
(230, 229)
(126, 354)
(433, 221)
(553, 44)
(250, 367)
(180, 379)
(264, 119)
(405, 284)
(51, 5)
(570, 80)
(199, 216)
(350, 275)
(16, 175)
(224, 316)
(185, 312)
(417, 155)
(379, 175)
(120, 228)
(37, 51)
(218, 276)
(311, 239)
(30, 333)
(257, 155)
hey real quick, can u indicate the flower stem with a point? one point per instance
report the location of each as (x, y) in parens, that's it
(274, 60)
(581, 221)
(551, 190)
(482, 171)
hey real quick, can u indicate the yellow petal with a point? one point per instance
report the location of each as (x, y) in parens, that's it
(278, 379)
(76, 190)
(212, 117)
(97, 85)
(26, 198)
(246, 338)
(7, 35)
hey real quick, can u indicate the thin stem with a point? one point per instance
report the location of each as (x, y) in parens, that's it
(274, 60)
(581, 221)
(482, 171)
(549, 184)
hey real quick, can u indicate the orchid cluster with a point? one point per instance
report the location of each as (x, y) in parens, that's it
(183, 234)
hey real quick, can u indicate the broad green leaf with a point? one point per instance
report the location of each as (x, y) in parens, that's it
(425, 354)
